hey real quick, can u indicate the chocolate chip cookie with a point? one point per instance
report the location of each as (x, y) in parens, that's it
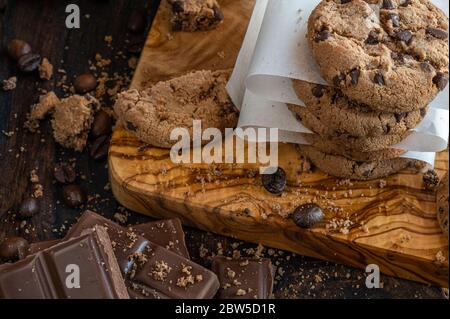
(195, 15)
(342, 167)
(331, 114)
(152, 114)
(442, 204)
(391, 55)
(334, 148)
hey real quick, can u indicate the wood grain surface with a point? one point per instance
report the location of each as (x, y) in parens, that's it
(392, 223)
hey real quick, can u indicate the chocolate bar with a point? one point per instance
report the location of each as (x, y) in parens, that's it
(167, 233)
(83, 267)
(149, 267)
(244, 278)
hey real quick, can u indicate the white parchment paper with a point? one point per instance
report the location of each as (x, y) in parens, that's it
(275, 51)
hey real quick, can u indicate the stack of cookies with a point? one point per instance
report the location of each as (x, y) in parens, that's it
(384, 62)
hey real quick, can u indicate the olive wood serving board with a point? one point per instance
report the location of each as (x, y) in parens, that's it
(393, 221)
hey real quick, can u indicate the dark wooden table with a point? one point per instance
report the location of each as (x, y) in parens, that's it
(42, 24)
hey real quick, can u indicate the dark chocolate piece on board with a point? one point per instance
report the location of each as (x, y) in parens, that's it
(244, 278)
(83, 267)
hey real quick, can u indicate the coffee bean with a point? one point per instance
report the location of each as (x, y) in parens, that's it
(100, 147)
(404, 35)
(437, 33)
(29, 62)
(379, 78)
(137, 21)
(64, 173)
(85, 83)
(18, 48)
(354, 76)
(102, 124)
(395, 18)
(373, 38)
(308, 215)
(73, 195)
(275, 183)
(317, 91)
(29, 207)
(388, 5)
(441, 80)
(14, 248)
(322, 36)
(426, 67)
(337, 80)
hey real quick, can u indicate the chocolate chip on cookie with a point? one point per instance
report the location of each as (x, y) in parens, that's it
(322, 35)
(437, 33)
(441, 80)
(379, 78)
(354, 76)
(388, 5)
(404, 36)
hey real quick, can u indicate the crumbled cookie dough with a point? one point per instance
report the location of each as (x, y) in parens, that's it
(47, 103)
(10, 84)
(72, 120)
(45, 70)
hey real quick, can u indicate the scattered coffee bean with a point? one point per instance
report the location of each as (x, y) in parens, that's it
(29, 62)
(137, 21)
(29, 207)
(102, 124)
(354, 76)
(437, 33)
(317, 91)
(64, 173)
(100, 147)
(404, 36)
(308, 215)
(322, 35)
(18, 48)
(14, 248)
(388, 5)
(74, 195)
(395, 18)
(85, 83)
(379, 78)
(373, 38)
(275, 183)
(441, 80)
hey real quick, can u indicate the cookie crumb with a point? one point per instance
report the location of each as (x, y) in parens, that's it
(10, 84)
(45, 70)
(431, 179)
